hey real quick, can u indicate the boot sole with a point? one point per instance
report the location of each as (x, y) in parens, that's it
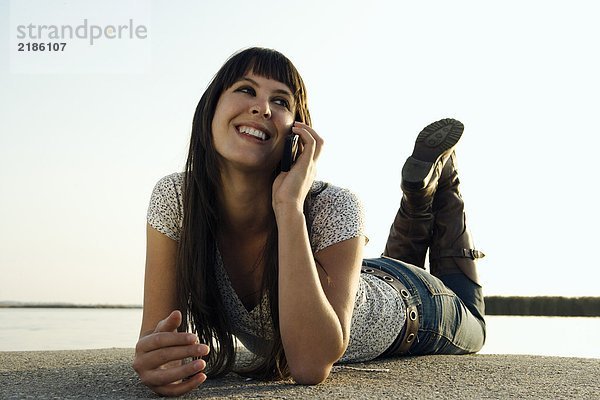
(434, 144)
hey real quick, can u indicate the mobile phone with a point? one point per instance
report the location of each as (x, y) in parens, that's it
(290, 152)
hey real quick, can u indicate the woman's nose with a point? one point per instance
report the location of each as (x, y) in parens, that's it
(263, 109)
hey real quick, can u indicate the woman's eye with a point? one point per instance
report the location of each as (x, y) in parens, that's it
(282, 102)
(245, 89)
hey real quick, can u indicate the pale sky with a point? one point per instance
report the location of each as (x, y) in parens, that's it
(83, 141)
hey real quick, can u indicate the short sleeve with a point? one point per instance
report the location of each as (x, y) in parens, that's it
(165, 212)
(338, 215)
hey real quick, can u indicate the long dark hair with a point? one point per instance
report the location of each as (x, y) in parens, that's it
(198, 295)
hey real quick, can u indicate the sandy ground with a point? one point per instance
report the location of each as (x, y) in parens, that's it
(107, 374)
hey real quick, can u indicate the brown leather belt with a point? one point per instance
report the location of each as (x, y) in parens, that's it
(408, 334)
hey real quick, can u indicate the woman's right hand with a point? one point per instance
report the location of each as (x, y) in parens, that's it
(159, 358)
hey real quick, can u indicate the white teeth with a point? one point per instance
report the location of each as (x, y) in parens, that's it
(253, 132)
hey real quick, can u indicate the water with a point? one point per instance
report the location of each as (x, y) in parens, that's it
(72, 329)
(546, 336)
(68, 328)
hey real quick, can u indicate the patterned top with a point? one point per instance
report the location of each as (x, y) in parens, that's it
(337, 215)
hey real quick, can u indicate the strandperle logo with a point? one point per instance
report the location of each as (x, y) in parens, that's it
(83, 31)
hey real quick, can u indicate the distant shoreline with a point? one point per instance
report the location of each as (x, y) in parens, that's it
(15, 304)
(587, 306)
(551, 306)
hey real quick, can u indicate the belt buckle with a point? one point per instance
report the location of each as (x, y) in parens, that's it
(469, 253)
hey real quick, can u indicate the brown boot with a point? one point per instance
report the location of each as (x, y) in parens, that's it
(452, 250)
(411, 233)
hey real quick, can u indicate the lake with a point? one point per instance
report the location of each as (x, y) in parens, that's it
(35, 329)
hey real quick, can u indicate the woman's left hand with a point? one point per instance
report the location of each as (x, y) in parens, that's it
(290, 188)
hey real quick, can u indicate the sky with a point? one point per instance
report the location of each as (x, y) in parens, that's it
(85, 133)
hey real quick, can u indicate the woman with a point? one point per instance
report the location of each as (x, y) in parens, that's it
(237, 247)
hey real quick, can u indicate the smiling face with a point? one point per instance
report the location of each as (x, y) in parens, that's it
(251, 120)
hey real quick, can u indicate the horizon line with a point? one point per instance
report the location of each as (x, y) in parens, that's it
(41, 304)
(36, 304)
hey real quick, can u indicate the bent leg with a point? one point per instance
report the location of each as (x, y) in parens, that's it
(452, 256)
(469, 292)
(411, 232)
(453, 321)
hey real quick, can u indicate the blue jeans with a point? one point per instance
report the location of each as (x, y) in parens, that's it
(451, 310)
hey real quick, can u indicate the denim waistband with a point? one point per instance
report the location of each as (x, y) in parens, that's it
(411, 299)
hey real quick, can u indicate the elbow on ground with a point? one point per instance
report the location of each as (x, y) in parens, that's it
(310, 376)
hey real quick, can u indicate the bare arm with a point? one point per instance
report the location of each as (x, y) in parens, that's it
(161, 349)
(315, 309)
(159, 279)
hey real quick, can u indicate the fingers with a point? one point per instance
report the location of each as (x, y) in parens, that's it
(162, 340)
(162, 368)
(171, 323)
(166, 376)
(179, 388)
(158, 340)
(177, 380)
(311, 141)
(157, 358)
(159, 355)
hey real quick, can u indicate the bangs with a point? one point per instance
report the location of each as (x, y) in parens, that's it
(266, 63)
(263, 62)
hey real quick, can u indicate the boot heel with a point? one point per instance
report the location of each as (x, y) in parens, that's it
(416, 173)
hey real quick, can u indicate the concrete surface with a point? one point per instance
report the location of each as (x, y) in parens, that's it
(107, 374)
